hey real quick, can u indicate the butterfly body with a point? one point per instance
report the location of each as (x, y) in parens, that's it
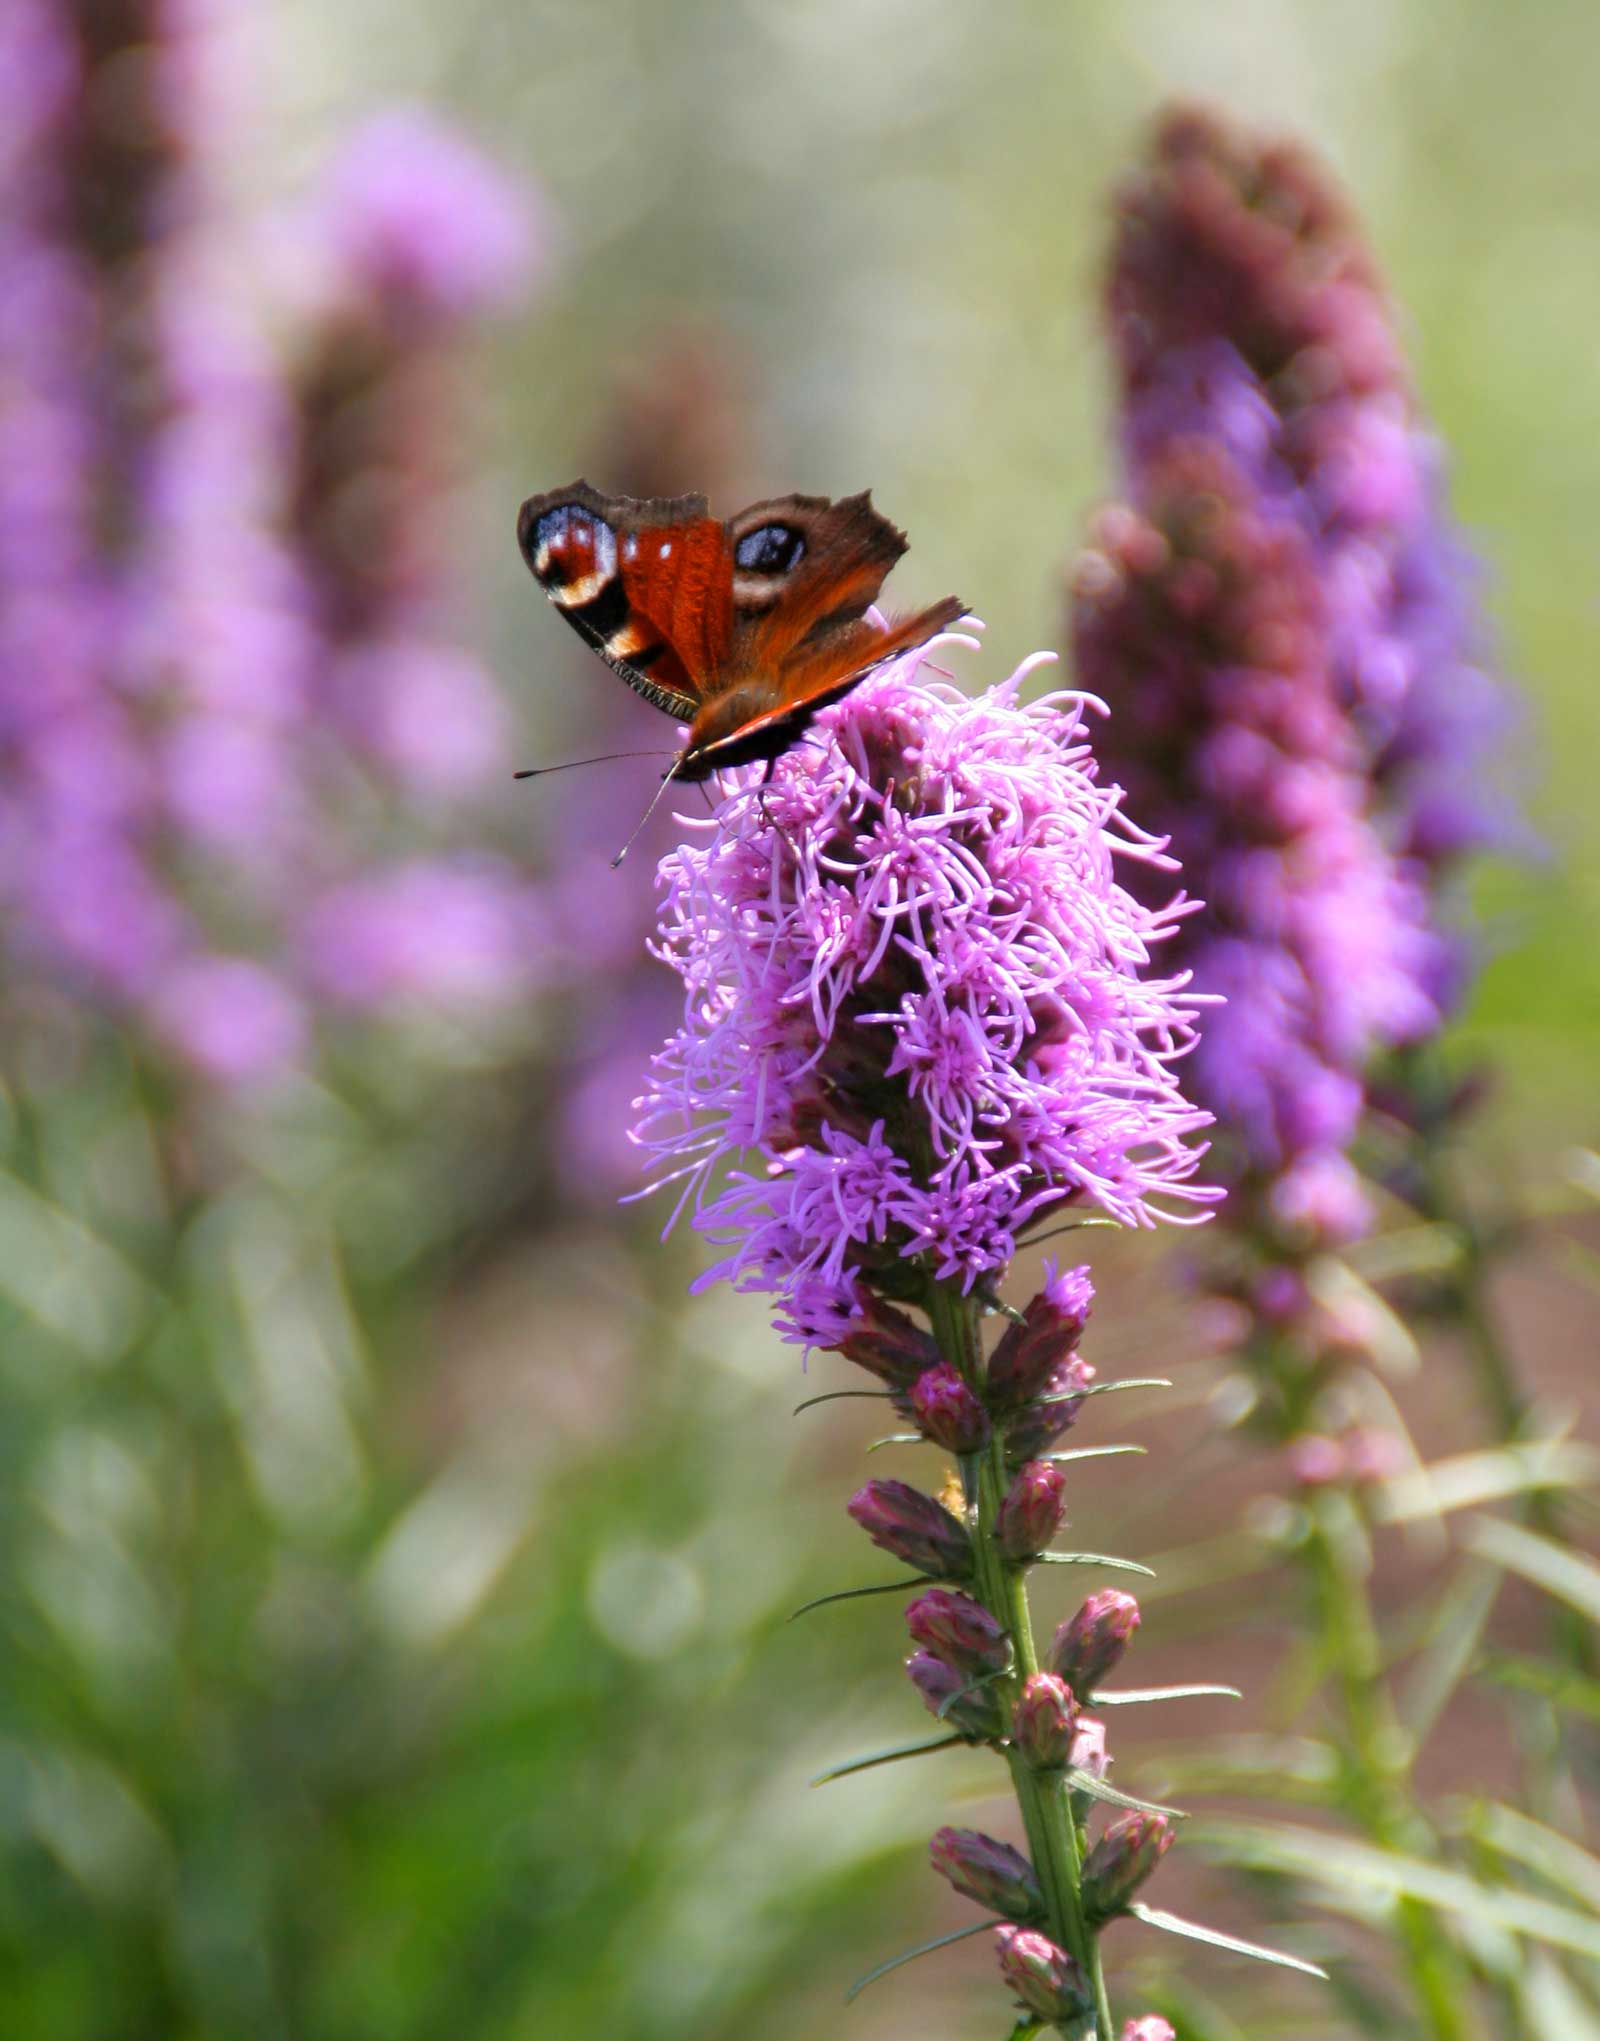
(740, 628)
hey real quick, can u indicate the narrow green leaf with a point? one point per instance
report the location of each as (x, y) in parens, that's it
(1097, 1789)
(898, 1439)
(1174, 1924)
(1343, 1868)
(972, 1687)
(851, 1594)
(842, 1396)
(887, 1757)
(1467, 1480)
(1092, 1559)
(1552, 2005)
(1533, 1676)
(1092, 1453)
(1451, 1650)
(1127, 1697)
(1108, 1388)
(1553, 1567)
(1551, 1855)
(922, 1949)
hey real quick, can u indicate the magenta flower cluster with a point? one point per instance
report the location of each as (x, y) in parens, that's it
(921, 1010)
(1281, 609)
(198, 757)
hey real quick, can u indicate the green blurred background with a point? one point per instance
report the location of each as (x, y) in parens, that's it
(396, 1645)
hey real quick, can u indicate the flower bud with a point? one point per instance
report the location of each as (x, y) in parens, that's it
(990, 1872)
(948, 1412)
(1044, 1722)
(1151, 2028)
(1121, 1861)
(887, 1343)
(1031, 1513)
(1037, 1427)
(976, 1714)
(1089, 1747)
(1045, 1979)
(1051, 1327)
(960, 1630)
(902, 1520)
(1087, 1646)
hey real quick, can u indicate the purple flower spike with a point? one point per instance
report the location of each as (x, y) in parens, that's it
(1032, 1511)
(948, 1412)
(902, 1520)
(921, 1009)
(976, 1713)
(1090, 1644)
(1151, 2028)
(1045, 1979)
(1029, 1353)
(960, 1630)
(992, 1873)
(1044, 1722)
(1122, 1860)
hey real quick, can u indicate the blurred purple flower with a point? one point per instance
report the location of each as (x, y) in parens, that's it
(1205, 615)
(914, 1016)
(415, 216)
(188, 759)
(1248, 314)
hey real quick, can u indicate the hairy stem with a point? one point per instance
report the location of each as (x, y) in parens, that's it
(1053, 1840)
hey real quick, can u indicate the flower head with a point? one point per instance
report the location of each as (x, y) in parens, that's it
(920, 1008)
(1249, 317)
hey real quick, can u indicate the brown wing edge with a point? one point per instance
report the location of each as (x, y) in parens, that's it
(623, 512)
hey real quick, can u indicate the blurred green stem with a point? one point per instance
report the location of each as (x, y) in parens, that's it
(1053, 1840)
(1469, 1306)
(1377, 1749)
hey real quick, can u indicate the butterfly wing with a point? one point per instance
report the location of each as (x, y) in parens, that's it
(646, 582)
(805, 571)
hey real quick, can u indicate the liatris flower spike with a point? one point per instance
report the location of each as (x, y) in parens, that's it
(924, 1017)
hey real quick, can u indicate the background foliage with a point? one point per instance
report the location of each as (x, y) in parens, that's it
(394, 1560)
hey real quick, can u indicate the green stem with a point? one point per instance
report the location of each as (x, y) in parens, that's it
(1378, 1752)
(1508, 1403)
(1053, 1840)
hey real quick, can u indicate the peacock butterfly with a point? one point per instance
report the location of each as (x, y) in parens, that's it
(742, 629)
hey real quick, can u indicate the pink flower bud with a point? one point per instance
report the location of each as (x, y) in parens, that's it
(1045, 1979)
(1029, 1353)
(976, 1714)
(1044, 1722)
(902, 1520)
(990, 1872)
(1315, 1461)
(960, 1630)
(887, 1343)
(1041, 1423)
(1373, 1454)
(1151, 2028)
(1087, 1646)
(1089, 1747)
(1121, 1861)
(1031, 1513)
(948, 1411)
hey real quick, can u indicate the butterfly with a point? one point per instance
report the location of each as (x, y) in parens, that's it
(741, 628)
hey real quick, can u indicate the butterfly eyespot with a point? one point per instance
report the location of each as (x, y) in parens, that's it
(770, 549)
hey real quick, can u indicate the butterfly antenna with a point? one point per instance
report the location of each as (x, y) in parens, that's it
(536, 772)
(655, 801)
